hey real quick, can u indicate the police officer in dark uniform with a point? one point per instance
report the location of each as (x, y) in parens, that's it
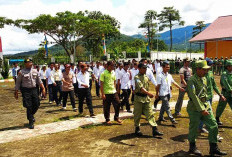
(27, 80)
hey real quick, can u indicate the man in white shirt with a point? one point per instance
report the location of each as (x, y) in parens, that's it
(185, 74)
(57, 84)
(96, 73)
(124, 79)
(149, 73)
(49, 82)
(163, 90)
(134, 72)
(84, 91)
(42, 75)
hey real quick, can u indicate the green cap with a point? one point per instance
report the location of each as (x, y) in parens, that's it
(228, 62)
(202, 64)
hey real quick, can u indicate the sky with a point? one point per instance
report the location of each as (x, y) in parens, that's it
(130, 13)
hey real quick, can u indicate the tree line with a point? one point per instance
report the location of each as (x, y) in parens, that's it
(87, 28)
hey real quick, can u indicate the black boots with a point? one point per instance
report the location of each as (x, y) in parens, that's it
(193, 149)
(214, 150)
(31, 124)
(138, 132)
(218, 121)
(155, 132)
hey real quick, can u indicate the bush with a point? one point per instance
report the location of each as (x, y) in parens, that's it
(5, 69)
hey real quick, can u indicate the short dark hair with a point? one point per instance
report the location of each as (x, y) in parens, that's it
(125, 64)
(52, 63)
(109, 63)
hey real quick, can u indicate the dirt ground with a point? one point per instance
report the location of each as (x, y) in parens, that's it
(119, 140)
(101, 140)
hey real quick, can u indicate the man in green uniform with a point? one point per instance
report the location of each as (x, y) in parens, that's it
(226, 83)
(199, 110)
(211, 86)
(142, 101)
(215, 66)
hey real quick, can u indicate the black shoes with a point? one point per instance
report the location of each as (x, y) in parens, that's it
(31, 124)
(155, 132)
(218, 121)
(138, 132)
(214, 150)
(193, 150)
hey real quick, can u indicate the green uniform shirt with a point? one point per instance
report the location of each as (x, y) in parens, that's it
(211, 85)
(197, 92)
(226, 82)
(141, 81)
(108, 78)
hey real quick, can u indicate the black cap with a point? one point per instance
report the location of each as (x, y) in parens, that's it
(27, 60)
(141, 65)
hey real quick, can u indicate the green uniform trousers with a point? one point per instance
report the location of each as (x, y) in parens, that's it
(222, 105)
(210, 122)
(145, 108)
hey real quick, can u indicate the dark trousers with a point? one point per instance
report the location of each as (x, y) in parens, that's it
(65, 97)
(44, 83)
(156, 102)
(97, 88)
(55, 90)
(30, 101)
(90, 85)
(82, 94)
(125, 101)
(50, 93)
(114, 99)
(75, 89)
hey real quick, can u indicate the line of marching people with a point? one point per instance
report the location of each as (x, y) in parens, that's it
(119, 81)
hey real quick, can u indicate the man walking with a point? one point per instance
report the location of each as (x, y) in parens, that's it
(84, 90)
(124, 83)
(96, 73)
(142, 102)
(185, 74)
(199, 110)
(226, 83)
(49, 82)
(27, 80)
(109, 94)
(163, 90)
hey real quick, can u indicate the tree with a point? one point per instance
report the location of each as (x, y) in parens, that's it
(5, 21)
(149, 25)
(161, 45)
(169, 17)
(198, 29)
(65, 25)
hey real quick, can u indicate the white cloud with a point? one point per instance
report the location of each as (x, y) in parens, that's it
(130, 14)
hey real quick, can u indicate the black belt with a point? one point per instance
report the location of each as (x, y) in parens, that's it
(140, 94)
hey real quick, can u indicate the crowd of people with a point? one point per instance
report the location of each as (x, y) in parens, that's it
(119, 81)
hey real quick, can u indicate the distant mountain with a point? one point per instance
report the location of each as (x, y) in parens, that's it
(179, 35)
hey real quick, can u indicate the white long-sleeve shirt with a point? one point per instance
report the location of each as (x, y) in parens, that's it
(83, 79)
(151, 77)
(124, 77)
(134, 72)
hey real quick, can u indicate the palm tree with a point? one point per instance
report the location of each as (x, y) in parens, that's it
(149, 25)
(169, 17)
(198, 29)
